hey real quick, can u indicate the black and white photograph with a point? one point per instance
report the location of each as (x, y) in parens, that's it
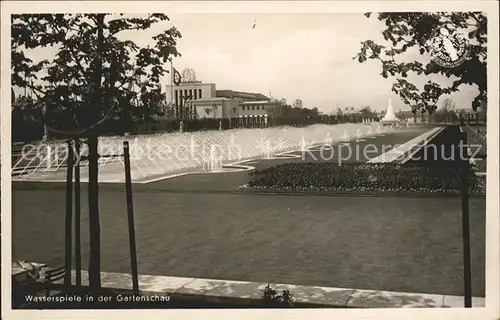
(177, 156)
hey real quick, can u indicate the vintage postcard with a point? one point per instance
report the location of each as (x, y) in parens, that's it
(250, 159)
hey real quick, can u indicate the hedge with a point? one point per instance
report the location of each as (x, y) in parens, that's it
(410, 177)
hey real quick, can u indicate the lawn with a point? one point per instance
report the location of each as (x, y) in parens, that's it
(398, 244)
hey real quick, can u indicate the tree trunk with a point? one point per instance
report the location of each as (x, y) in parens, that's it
(93, 187)
(69, 216)
(94, 223)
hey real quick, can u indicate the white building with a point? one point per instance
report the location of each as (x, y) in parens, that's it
(189, 91)
(207, 102)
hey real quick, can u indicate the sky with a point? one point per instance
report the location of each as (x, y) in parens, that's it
(291, 56)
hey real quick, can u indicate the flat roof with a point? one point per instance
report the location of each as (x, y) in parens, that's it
(207, 100)
(189, 84)
(257, 102)
(240, 94)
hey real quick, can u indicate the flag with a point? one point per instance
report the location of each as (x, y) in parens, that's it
(176, 77)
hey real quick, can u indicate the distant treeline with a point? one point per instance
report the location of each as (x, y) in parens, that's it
(31, 128)
(28, 123)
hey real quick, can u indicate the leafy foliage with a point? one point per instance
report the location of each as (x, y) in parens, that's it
(130, 82)
(447, 112)
(405, 31)
(448, 104)
(27, 119)
(297, 112)
(272, 298)
(90, 81)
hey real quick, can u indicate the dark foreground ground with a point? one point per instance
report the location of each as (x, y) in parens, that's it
(398, 244)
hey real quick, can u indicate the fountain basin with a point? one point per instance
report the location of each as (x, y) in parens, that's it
(163, 155)
(387, 123)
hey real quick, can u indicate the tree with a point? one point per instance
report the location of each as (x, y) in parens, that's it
(297, 114)
(27, 119)
(448, 104)
(169, 110)
(404, 31)
(447, 111)
(89, 81)
(297, 103)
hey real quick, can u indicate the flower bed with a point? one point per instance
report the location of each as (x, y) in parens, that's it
(409, 177)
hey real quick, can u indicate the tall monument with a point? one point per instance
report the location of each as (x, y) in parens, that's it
(389, 117)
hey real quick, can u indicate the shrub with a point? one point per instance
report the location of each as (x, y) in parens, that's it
(272, 298)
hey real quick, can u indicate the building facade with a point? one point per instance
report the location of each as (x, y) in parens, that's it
(217, 108)
(204, 101)
(263, 108)
(182, 97)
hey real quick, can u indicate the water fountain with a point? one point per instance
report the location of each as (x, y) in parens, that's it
(389, 118)
(165, 154)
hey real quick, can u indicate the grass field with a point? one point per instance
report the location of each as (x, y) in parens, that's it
(397, 244)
